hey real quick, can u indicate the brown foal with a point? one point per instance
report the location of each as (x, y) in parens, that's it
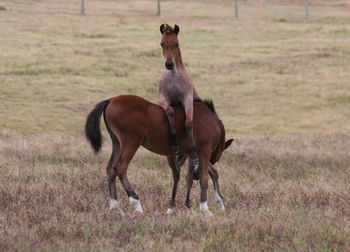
(175, 87)
(132, 121)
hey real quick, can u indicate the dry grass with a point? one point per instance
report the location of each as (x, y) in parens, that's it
(282, 193)
(280, 84)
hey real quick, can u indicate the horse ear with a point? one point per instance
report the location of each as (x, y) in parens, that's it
(176, 29)
(161, 28)
(228, 143)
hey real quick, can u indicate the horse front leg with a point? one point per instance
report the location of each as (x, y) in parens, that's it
(169, 111)
(172, 161)
(189, 130)
(189, 183)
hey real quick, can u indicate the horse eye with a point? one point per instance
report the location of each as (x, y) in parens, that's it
(177, 45)
(161, 44)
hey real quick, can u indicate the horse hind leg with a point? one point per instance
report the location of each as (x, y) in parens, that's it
(111, 174)
(114, 204)
(180, 160)
(126, 154)
(172, 161)
(215, 177)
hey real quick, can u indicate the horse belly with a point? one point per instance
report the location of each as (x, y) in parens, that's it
(157, 145)
(158, 141)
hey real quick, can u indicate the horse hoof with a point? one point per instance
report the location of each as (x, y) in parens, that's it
(203, 206)
(119, 211)
(175, 149)
(136, 204)
(114, 205)
(140, 211)
(170, 211)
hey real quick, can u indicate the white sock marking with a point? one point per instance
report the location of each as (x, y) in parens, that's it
(203, 206)
(114, 204)
(217, 197)
(136, 204)
(219, 200)
(170, 210)
(222, 206)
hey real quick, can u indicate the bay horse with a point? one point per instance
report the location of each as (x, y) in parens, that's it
(132, 121)
(176, 87)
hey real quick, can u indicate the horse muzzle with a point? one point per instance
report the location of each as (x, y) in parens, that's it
(169, 65)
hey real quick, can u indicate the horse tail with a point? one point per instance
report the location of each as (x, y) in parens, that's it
(92, 125)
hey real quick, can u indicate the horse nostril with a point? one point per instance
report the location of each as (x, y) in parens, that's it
(169, 65)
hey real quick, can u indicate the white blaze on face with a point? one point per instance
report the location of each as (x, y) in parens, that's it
(136, 204)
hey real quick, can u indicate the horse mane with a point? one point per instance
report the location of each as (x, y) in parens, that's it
(168, 29)
(209, 103)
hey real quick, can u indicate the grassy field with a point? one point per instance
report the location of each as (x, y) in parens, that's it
(280, 83)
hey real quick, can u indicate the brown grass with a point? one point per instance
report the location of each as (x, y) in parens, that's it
(280, 83)
(281, 193)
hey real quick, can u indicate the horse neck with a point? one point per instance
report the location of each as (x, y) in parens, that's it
(178, 60)
(223, 133)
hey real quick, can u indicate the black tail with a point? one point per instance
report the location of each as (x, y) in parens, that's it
(92, 125)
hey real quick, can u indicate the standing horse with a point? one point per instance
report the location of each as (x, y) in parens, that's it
(175, 87)
(132, 121)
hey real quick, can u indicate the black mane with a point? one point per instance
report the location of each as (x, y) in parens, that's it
(209, 103)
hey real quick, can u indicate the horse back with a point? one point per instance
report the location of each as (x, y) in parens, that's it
(128, 114)
(131, 116)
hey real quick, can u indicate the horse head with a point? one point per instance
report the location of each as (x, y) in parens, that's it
(169, 44)
(216, 154)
